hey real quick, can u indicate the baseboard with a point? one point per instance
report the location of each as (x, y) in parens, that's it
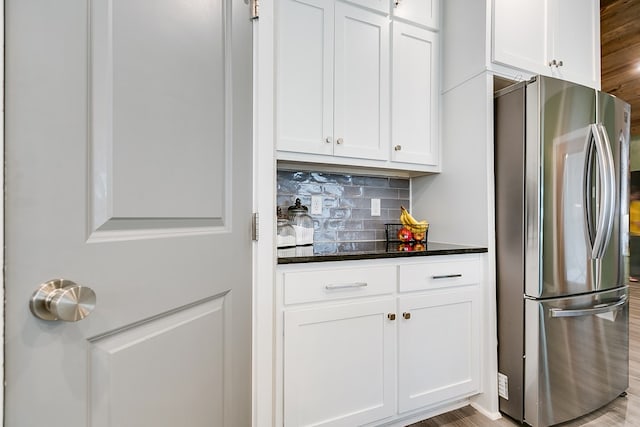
(403, 421)
(489, 414)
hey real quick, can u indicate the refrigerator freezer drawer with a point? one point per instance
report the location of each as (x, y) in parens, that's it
(577, 355)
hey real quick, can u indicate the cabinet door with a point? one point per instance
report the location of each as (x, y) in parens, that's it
(414, 92)
(438, 347)
(575, 40)
(379, 5)
(520, 34)
(423, 12)
(304, 73)
(339, 364)
(361, 127)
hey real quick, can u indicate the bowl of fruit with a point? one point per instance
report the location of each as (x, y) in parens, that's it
(408, 231)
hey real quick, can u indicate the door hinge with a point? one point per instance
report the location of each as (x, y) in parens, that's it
(255, 9)
(255, 225)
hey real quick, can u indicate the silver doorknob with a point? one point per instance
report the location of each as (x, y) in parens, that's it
(62, 299)
(339, 141)
(397, 147)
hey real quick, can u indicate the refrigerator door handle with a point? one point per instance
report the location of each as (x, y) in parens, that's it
(587, 187)
(609, 190)
(606, 195)
(597, 309)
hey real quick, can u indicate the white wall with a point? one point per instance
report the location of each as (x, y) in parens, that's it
(464, 38)
(455, 202)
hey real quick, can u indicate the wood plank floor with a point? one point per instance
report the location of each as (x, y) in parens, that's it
(622, 412)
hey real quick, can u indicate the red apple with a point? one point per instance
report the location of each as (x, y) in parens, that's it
(405, 235)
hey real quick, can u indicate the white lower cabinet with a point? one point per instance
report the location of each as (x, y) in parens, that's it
(438, 347)
(339, 364)
(365, 343)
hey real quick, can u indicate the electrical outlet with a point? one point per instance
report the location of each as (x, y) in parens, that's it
(316, 205)
(375, 207)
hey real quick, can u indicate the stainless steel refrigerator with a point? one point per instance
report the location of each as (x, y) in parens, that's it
(562, 203)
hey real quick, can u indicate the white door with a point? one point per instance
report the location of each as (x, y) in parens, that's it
(361, 112)
(414, 88)
(575, 40)
(339, 364)
(128, 171)
(520, 34)
(438, 363)
(304, 76)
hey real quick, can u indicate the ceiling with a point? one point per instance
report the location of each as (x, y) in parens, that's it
(620, 52)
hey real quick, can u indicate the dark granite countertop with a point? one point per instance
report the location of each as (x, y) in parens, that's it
(345, 251)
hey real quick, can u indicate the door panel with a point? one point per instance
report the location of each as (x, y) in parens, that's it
(339, 364)
(120, 367)
(574, 33)
(361, 127)
(305, 76)
(128, 170)
(162, 110)
(414, 113)
(520, 34)
(438, 364)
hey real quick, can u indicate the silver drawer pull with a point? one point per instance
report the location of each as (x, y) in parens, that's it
(346, 285)
(446, 276)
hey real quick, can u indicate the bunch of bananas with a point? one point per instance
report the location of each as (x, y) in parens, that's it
(418, 228)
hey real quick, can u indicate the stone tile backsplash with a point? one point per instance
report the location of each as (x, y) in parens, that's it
(346, 203)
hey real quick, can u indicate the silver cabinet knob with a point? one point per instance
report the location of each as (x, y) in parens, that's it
(555, 63)
(397, 147)
(339, 141)
(328, 140)
(62, 299)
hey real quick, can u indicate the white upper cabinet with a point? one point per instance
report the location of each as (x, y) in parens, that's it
(305, 76)
(421, 12)
(520, 34)
(554, 38)
(575, 41)
(414, 88)
(361, 103)
(332, 79)
(334, 83)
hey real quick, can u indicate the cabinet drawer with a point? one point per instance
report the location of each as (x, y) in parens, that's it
(433, 275)
(326, 285)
